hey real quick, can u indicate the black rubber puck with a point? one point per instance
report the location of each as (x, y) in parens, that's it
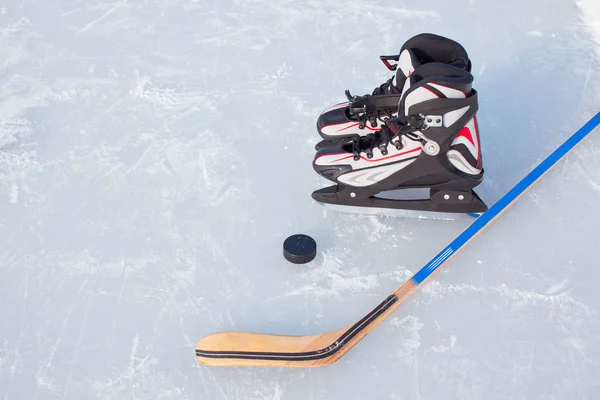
(299, 249)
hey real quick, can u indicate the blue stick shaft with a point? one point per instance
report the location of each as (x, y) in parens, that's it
(507, 200)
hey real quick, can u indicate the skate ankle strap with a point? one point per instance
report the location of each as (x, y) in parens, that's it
(410, 123)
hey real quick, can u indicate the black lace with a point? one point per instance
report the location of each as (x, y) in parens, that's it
(380, 139)
(362, 116)
(390, 133)
(358, 111)
(386, 88)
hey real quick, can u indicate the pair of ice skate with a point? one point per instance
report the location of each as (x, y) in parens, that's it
(417, 130)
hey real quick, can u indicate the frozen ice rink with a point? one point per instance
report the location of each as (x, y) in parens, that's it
(155, 154)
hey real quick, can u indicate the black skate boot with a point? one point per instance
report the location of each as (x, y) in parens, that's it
(432, 143)
(362, 115)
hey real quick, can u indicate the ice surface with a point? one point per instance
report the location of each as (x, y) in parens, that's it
(155, 154)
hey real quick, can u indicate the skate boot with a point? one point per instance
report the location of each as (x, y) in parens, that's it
(362, 115)
(432, 143)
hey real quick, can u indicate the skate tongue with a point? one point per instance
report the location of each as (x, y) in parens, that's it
(428, 47)
(407, 63)
(424, 84)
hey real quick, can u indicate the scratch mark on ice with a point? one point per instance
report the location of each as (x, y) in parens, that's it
(76, 352)
(557, 287)
(530, 367)
(106, 14)
(418, 389)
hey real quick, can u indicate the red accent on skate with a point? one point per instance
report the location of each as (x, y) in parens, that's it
(437, 84)
(339, 105)
(348, 127)
(478, 165)
(324, 155)
(466, 133)
(340, 159)
(372, 159)
(430, 91)
(356, 124)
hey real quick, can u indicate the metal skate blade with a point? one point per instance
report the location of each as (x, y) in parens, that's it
(406, 203)
(398, 213)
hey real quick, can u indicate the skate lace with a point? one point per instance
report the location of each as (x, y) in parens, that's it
(390, 133)
(386, 88)
(358, 110)
(362, 116)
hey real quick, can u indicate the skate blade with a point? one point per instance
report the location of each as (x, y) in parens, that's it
(398, 213)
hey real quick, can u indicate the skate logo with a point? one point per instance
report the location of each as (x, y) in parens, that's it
(366, 177)
(372, 175)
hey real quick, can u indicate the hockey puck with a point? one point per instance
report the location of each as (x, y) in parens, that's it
(299, 249)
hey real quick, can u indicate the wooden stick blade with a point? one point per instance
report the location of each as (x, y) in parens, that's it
(255, 349)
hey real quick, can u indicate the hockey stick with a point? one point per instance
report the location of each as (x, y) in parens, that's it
(257, 349)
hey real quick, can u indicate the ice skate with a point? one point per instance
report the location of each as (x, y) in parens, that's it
(361, 115)
(433, 143)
